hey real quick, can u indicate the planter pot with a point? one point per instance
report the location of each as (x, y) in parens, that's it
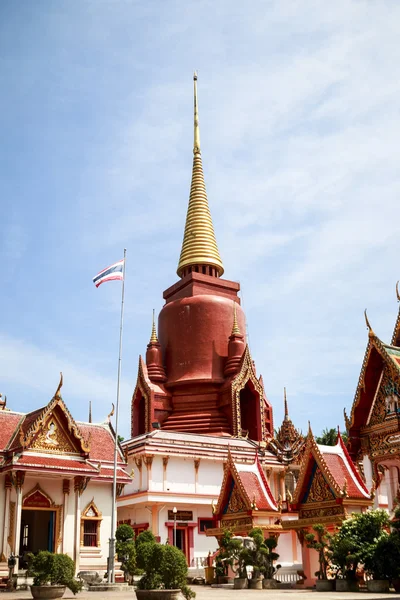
(222, 579)
(240, 583)
(378, 585)
(47, 592)
(396, 585)
(347, 585)
(256, 583)
(270, 584)
(325, 585)
(158, 594)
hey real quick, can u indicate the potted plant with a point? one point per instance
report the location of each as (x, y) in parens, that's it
(319, 541)
(343, 554)
(126, 550)
(52, 573)
(254, 556)
(165, 572)
(383, 563)
(225, 556)
(270, 557)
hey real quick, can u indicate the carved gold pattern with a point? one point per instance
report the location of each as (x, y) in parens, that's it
(373, 341)
(196, 464)
(138, 462)
(120, 489)
(148, 460)
(143, 387)
(66, 485)
(245, 375)
(53, 438)
(91, 513)
(35, 489)
(236, 503)
(80, 484)
(10, 538)
(7, 481)
(319, 490)
(165, 461)
(38, 425)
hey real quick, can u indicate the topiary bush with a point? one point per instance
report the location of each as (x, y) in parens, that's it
(126, 550)
(47, 568)
(164, 567)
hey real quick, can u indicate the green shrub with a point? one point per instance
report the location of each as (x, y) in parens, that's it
(144, 537)
(164, 567)
(55, 569)
(126, 550)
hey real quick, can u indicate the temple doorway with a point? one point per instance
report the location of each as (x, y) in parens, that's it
(181, 541)
(37, 532)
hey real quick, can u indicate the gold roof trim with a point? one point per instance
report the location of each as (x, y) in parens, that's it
(153, 338)
(235, 326)
(199, 246)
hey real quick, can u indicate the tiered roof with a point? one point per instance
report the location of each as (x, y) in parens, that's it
(50, 439)
(339, 474)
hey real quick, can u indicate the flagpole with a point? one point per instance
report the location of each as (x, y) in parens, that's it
(111, 557)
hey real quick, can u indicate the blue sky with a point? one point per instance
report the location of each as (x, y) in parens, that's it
(300, 129)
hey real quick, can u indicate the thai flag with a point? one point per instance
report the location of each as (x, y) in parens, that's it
(115, 271)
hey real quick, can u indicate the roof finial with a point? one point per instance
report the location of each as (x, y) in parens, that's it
(235, 327)
(153, 338)
(90, 411)
(196, 142)
(286, 406)
(371, 331)
(199, 251)
(397, 292)
(58, 393)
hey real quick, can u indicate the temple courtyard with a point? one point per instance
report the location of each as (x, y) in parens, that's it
(223, 593)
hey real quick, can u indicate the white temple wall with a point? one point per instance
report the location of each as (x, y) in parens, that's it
(210, 476)
(101, 494)
(180, 476)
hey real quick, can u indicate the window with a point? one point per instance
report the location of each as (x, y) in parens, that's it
(205, 524)
(89, 533)
(25, 535)
(90, 526)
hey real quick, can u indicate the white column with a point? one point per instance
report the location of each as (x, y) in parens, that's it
(65, 513)
(77, 522)
(388, 475)
(4, 547)
(20, 476)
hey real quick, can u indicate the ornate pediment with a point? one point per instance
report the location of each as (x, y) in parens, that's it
(236, 502)
(319, 490)
(387, 400)
(91, 511)
(51, 437)
(37, 498)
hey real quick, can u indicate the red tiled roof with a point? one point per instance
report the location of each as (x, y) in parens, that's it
(341, 474)
(8, 424)
(253, 490)
(101, 441)
(50, 462)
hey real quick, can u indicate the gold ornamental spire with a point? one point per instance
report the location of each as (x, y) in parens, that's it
(235, 327)
(286, 406)
(153, 338)
(199, 248)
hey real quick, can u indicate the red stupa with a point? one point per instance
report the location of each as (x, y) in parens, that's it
(198, 376)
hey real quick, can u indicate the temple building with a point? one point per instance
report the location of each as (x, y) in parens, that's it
(56, 479)
(374, 422)
(198, 400)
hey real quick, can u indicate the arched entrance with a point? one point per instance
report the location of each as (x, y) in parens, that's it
(40, 524)
(250, 412)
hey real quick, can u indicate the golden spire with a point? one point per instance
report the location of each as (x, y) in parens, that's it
(199, 247)
(286, 406)
(235, 327)
(153, 338)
